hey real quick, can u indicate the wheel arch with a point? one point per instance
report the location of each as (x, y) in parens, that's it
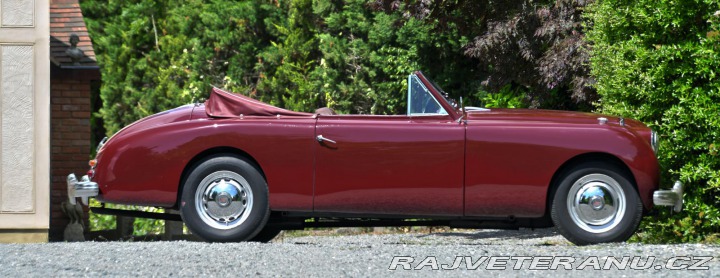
(209, 153)
(579, 159)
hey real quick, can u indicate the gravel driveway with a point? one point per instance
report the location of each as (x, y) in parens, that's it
(477, 252)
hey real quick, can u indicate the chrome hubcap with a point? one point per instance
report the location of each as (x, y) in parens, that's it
(596, 203)
(224, 200)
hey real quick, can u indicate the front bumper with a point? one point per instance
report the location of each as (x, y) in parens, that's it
(672, 197)
(83, 189)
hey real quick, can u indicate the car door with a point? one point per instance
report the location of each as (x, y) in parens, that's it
(390, 165)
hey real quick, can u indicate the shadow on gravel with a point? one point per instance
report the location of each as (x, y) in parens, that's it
(502, 234)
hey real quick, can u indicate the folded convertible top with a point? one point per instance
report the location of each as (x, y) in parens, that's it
(222, 104)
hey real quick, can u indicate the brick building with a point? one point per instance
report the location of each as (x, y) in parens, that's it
(74, 79)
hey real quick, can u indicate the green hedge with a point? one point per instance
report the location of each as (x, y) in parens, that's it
(296, 54)
(658, 61)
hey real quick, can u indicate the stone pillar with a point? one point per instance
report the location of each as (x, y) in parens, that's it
(25, 120)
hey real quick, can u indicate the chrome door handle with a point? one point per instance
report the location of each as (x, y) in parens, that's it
(321, 139)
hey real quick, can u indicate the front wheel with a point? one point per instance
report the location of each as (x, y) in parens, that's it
(596, 203)
(224, 199)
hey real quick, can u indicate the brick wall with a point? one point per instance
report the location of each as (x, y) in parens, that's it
(70, 138)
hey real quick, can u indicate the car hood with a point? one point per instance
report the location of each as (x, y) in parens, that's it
(545, 116)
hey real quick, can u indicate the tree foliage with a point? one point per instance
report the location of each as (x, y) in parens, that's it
(657, 61)
(159, 54)
(537, 47)
(298, 54)
(351, 55)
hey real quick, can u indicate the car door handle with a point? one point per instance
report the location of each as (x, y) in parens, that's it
(321, 139)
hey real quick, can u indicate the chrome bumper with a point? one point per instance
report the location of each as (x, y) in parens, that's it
(672, 197)
(83, 189)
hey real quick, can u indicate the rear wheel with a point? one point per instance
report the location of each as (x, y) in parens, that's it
(225, 198)
(595, 203)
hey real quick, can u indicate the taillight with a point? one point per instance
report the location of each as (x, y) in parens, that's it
(91, 172)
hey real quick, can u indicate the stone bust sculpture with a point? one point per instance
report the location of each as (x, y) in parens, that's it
(73, 51)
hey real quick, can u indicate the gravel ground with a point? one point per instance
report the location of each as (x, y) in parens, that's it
(367, 255)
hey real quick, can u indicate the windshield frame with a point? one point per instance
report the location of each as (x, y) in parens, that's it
(436, 93)
(453, 103)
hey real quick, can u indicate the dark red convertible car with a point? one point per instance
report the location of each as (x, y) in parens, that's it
(238, 169)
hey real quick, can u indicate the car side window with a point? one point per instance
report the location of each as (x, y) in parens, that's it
(420, 100)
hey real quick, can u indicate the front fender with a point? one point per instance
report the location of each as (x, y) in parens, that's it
(510, 168)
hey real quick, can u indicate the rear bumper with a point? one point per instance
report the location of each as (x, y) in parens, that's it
(83, 189)
(672, 197)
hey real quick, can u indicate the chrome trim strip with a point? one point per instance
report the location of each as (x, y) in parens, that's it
(101, 144)
(654, 142)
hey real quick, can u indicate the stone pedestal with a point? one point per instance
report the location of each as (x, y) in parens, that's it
(74, 231)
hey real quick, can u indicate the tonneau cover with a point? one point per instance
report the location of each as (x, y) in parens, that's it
(222, 104)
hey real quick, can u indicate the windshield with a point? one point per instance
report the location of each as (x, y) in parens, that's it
(420, 100)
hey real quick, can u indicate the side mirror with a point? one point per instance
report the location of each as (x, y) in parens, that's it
(462, 111)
